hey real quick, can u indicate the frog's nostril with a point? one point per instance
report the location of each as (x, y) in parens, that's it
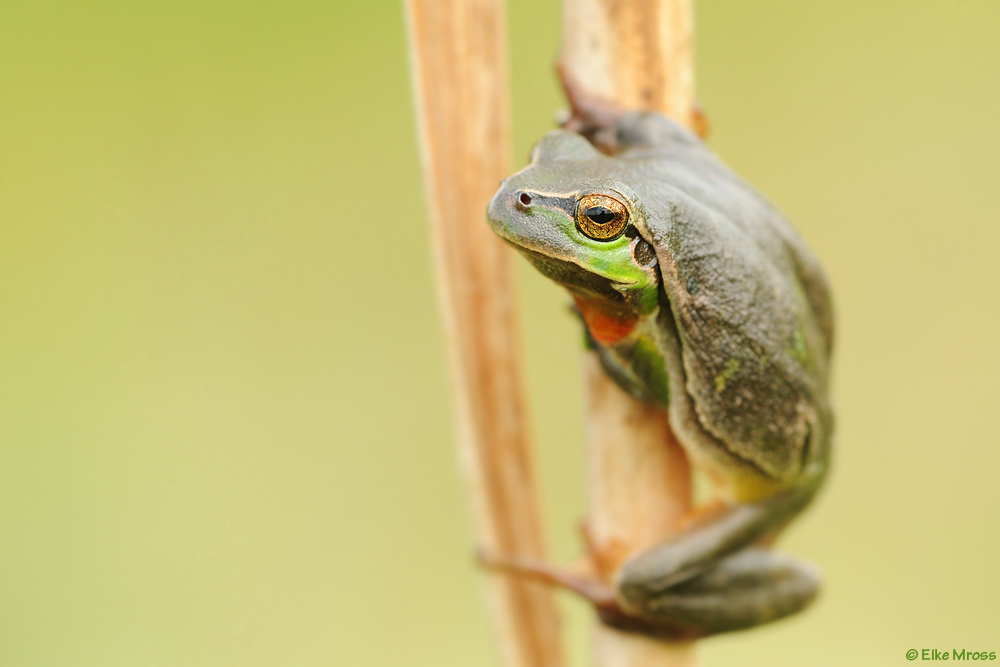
(524, 198)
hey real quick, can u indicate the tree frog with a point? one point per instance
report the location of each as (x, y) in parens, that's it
(699, 298)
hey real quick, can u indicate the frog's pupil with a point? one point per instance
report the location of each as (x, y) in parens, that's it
(600, 215)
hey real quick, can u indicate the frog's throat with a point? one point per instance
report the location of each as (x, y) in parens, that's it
(607, 322)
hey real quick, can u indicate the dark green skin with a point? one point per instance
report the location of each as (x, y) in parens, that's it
(732, 336)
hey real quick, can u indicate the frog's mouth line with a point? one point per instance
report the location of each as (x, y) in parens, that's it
(575, 277)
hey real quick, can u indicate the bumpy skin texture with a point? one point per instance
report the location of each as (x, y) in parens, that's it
(711, 306)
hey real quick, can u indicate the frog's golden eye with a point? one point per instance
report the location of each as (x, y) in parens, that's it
(600, 217)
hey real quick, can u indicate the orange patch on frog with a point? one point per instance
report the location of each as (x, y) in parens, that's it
(607, 324)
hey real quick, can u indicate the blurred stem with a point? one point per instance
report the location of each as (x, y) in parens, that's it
(458, 61)
(633, 55)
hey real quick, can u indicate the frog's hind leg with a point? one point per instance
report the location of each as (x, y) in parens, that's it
(746, 589)
(683, 580)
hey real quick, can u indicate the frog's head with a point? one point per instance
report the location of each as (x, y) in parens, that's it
(569, 215)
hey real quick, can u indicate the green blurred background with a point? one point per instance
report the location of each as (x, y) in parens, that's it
(225, 428)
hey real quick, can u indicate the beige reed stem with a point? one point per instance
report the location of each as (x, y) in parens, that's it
(458, 58)
(636, 54)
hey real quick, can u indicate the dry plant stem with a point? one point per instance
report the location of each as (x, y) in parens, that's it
(458, 60)
(636, 55)
(639, 486)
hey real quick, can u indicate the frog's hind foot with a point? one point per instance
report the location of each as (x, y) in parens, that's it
(599, 594)
(749, 588)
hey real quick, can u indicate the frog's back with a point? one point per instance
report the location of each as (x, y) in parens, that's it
(749, 301)
(680, 158)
